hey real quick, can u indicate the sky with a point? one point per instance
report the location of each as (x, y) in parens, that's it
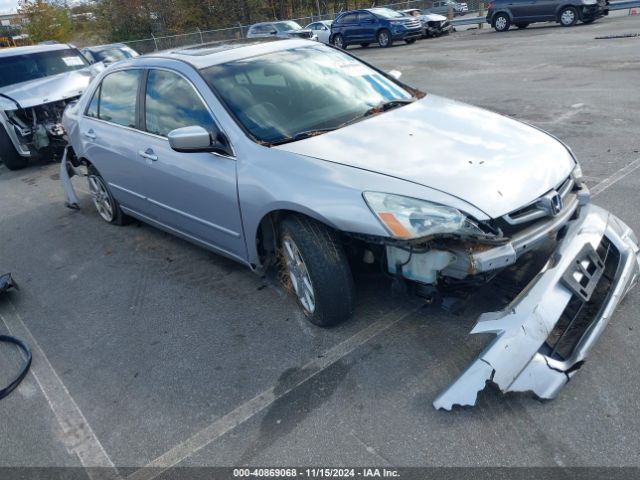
(8, 6)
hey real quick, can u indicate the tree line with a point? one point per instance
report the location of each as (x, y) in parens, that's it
(121, 20)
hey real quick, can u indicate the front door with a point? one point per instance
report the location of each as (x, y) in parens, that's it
(192, 193)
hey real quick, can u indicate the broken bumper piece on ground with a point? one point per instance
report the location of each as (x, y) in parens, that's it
(544, 335)
(67, 170)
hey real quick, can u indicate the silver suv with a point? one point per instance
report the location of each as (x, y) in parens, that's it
(282, 29)
(36, 85)
(443, 6)
(298, 156)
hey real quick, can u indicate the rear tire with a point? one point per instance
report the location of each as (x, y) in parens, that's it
(522, 25)
(8, 154)
(338, 41)
(316, 270)
(568, 16)
(105, 204)
(501, 22)
(384, 38)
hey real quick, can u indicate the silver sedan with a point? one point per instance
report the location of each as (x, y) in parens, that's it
(293, 155)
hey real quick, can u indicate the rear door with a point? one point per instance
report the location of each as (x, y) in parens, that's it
(192, 193)
(542, 9)
(109, 136)
(349, 27)
(521, 10)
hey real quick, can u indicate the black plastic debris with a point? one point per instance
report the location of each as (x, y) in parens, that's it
(7, 283)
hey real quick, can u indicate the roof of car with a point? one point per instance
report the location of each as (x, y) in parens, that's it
(206, 55)
(10, 52)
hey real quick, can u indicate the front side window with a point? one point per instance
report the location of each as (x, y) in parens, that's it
(287, 26)
(117, 98)
(365, 16)
(298, 90)
(260, 29)
(31, 66)
(171, 102)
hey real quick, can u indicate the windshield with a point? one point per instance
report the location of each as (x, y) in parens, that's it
(30, 66)
(113, 55)
(386, 13)
(280, 95)
(286, 26)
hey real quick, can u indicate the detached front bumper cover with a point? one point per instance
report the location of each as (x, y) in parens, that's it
(544, 335)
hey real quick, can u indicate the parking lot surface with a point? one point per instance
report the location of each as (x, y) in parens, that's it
(151, 351)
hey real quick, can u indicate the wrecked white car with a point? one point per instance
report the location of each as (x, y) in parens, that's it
(293, 153)
(36, 84)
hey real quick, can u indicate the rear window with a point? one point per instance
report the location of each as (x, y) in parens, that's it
(31, 66)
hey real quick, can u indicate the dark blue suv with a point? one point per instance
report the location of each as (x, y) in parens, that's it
(381, 25)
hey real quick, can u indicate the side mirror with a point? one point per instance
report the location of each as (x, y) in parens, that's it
(196, 139)
(274, 32)
(395, 74)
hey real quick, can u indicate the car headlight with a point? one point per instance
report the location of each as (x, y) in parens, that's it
(406, 217)
(576, 173)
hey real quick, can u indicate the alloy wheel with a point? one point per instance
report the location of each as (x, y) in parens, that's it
(299, 275)
(101, 198)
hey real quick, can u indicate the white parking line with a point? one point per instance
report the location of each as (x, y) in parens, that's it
(254, 406)
(615, 178)
(77, 434)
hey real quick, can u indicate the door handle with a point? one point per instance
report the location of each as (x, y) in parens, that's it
(90, 134)
(148, 154)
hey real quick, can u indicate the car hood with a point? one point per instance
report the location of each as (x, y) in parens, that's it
(49, 89)
(432, 17)
(488, 160)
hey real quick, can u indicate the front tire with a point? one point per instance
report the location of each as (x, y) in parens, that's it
(501, 22)
(568, 17)
(384, 38)
(8, 154)
(316, 270)
(105, 204)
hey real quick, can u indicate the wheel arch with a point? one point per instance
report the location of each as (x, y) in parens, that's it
(498, 12)
(565, 5)
(262, 251)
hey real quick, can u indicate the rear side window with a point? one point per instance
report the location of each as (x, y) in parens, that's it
(171, 102)
(116, 98)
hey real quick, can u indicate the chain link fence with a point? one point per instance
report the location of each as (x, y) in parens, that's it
(167, 42)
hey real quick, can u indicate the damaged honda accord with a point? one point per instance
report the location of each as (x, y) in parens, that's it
(295, 155)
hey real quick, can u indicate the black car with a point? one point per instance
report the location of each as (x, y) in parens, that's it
(501, 14)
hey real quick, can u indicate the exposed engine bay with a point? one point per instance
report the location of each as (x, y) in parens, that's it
(39, 128)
